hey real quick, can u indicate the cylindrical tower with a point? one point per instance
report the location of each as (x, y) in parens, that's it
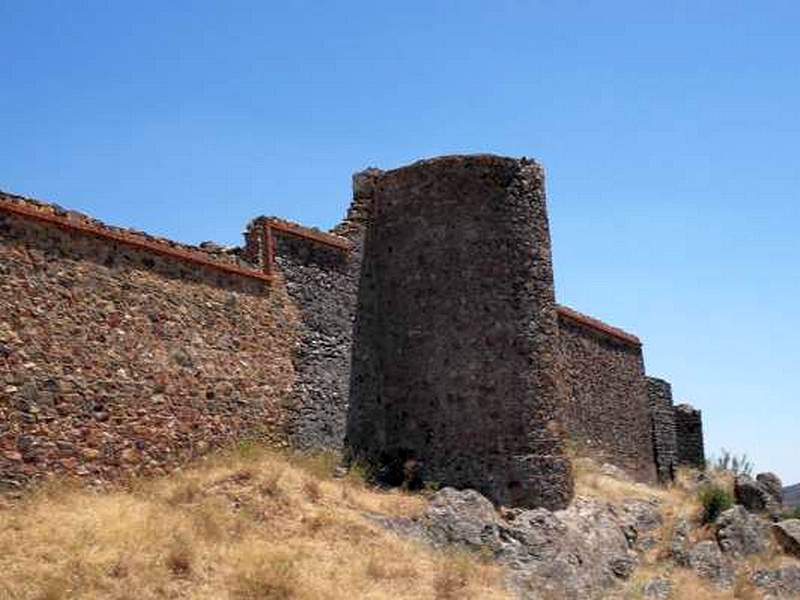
(454, 346)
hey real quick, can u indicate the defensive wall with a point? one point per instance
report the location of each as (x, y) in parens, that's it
(423, 329)
(604, 402)
(455, 340)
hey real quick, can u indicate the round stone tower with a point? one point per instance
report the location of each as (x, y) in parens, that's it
(454, 349)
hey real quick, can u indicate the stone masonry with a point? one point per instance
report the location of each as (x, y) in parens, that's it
(689, 434)
(455, 344)
(603, 396)
(665, 444)
(420, 335)
(115, 359)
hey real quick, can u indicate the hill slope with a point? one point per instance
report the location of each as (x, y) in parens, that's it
(244, 525)
(260, 524)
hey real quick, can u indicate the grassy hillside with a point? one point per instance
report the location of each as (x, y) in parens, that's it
(249, 524)
(259, 524)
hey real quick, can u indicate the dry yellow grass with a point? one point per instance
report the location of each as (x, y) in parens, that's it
(243, 525)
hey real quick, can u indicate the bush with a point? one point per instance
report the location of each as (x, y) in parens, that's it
(715, 501)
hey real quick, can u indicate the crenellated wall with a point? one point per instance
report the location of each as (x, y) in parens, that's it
(604, 402)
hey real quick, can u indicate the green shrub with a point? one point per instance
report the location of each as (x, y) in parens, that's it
(715, 501)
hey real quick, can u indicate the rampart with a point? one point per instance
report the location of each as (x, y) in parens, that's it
(124, 353)
(421, 335)
(604, 399)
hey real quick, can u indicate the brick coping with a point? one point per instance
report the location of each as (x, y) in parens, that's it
(29, 208)
(597, 325)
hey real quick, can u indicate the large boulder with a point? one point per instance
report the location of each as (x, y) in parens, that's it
(462, 517)
(707, 560)
(574, 553)
(579, 552)
(773, 485)
(749, 493)
(741, 533)
(757, 496)
(787, 534)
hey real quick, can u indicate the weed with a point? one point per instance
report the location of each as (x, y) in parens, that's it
(715, 500)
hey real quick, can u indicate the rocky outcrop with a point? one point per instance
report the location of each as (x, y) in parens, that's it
(787, 534)
(773, 485)
(757, 495)
(740, 533)
(574, 553)
(706, 559)
(778, 583)
(679, 543)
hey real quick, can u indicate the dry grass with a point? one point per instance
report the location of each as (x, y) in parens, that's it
(685, 584)
(249, 524)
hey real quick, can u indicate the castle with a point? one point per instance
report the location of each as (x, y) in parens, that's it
(421, 336)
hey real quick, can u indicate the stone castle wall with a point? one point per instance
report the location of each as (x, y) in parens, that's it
(665, 444)
(322, 283)
(421, 334)
(116, 358)
(604, 401)
(455, 343)
(689, 435)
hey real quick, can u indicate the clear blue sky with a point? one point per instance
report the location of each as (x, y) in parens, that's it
(669, 132)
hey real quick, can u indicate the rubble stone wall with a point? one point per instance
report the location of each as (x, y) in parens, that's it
(689, 435)
(455, 342)
(322, 283)
(665, 446)
(604, 402)
(117, 360)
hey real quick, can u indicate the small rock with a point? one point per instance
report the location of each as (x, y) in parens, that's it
(610, 470)
(659, 588)
(622, 566)
(679, 544)
(741, 533)
(90, 453)
(787, 533)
